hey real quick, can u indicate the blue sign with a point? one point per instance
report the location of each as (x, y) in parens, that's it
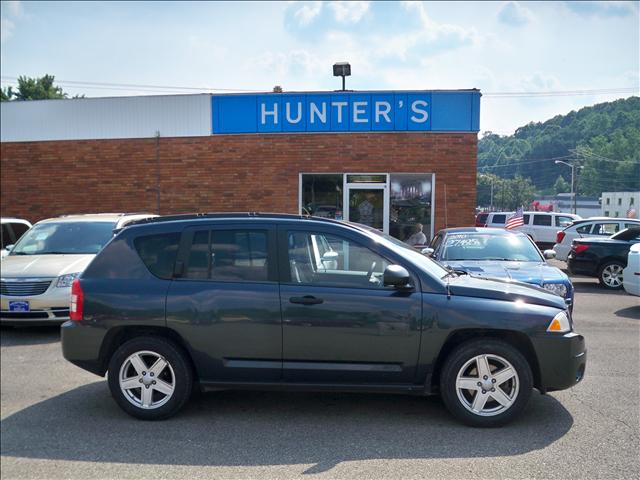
(441, 111)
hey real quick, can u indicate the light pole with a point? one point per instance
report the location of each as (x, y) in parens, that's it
(573, 182)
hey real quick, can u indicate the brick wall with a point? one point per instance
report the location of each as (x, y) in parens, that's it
(223, 173)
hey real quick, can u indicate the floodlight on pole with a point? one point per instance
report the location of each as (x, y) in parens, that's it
(342, 69)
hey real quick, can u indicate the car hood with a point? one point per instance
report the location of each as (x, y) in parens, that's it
(528, 272)
(507, 290)
(33, 266)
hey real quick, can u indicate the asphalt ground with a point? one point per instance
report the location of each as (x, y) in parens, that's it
(58, 421)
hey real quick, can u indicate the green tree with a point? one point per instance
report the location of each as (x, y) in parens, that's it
(561, 185)
(41, 88)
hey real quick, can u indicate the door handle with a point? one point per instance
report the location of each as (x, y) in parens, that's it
(306, 300)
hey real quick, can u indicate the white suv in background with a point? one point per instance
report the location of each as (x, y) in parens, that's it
(540, 226)
(589, 227)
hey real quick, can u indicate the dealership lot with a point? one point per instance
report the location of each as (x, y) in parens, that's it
(59, 421)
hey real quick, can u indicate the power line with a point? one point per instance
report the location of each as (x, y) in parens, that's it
(114, 85)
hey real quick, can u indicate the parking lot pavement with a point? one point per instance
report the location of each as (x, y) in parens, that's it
(59, 421)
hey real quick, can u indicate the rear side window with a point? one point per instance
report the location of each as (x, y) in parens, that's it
(525, 218)
(6, 236)
(584, 228)
(499, 219)
(228, 255)
(562, 221)
(629, 225)
(158, 252)
(544, 220)
(606, 228)
(19, 229)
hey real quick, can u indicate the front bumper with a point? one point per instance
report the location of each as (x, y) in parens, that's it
(562, 360)
(49, 308)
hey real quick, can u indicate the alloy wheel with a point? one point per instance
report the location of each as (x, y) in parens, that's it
(487, 385)
(612, 275)
(146, 379)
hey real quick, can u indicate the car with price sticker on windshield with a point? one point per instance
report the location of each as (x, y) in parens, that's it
(37, 273)
(497, 253)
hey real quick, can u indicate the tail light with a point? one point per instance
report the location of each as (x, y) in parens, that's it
(579, 248)
(560, 236)
(77, 301)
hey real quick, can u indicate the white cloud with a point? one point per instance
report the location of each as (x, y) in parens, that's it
(307, 12)
(514, 14)
(348, 12)
(540, 82)
(6, 29)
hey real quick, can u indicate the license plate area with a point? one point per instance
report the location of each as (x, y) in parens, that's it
(19, 306)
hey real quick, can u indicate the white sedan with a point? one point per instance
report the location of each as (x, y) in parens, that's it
(631, 274)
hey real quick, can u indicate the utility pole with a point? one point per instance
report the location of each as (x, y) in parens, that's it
(573, 182)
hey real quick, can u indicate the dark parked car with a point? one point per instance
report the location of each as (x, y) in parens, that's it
(283, 301)
(604, 258)
(499, 253)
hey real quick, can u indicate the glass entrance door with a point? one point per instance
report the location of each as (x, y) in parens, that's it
(369, 205)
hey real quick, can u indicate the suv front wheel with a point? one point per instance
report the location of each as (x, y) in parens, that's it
(486, 383)
(150, 378)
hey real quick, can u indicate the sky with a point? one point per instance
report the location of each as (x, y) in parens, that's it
(494, 46)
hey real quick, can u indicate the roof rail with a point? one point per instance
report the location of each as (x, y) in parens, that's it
(214, 215)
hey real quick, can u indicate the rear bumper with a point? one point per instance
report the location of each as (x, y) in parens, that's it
(578, 266)
(81, 346)
(562, 360)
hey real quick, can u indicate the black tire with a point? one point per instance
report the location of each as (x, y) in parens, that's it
(465, 353)
(180, 375)
(601, 274)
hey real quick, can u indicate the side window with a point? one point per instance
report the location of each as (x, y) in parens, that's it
(6, 236)
(543, 220)
(437, 241)
(499, 219)
(584, 229)
(347, 264)
(629, 225)
(18, 230)
(158, 252)
(198, 260)
(525, 218)
(605, 228)
(562, 221)
(228, 256)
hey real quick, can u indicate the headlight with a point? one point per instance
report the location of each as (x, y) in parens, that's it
(557, 288)
(66, 280)
(560, 323)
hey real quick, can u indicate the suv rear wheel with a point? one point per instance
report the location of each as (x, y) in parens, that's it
(150, 378)
(486, 383)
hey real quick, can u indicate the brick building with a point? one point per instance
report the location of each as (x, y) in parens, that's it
(389, 159)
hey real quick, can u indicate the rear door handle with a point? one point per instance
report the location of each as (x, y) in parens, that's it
(306, 300)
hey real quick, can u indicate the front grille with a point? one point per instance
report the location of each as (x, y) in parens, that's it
(15, 288)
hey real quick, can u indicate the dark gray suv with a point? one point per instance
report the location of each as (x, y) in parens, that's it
(291, 302)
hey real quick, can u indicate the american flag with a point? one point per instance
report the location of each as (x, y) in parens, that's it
(515, 220)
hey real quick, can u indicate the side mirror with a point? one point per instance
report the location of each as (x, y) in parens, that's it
(549, 254)
(427, 251)
(8, 248)
(330, 260)
(396, 276)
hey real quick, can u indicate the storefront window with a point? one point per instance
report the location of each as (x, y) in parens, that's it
(322, 195)
(410, 208)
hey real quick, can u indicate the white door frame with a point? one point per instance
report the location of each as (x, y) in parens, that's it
(368, 186)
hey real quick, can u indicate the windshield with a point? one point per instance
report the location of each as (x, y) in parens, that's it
(73, 238)
(411, 253)
(483, 246)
